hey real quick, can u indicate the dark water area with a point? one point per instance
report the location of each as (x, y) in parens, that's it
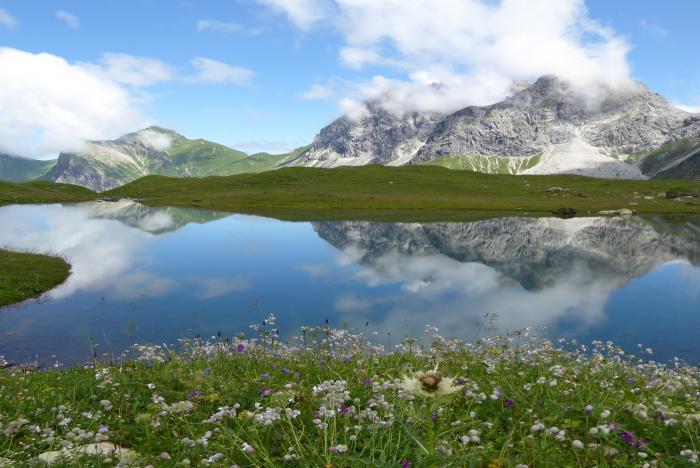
(154, 275)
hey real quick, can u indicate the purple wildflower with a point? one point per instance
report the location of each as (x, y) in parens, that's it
(285, 371)
(660, 416)
(266, 375)
(240, 348)
(628, 437)
(367, 382)
(103, 429)
(433, 416)
(265, 391)
(344, 409)
(194, 394)
(508, 404)
(406, 464)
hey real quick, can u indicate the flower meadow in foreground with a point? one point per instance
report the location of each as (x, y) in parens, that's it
(332, 398)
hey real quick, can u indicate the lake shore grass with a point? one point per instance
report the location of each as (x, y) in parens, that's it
(28, 275)
(332, 398)
(412, 193)
(379, 193)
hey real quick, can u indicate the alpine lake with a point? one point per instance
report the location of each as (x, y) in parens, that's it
(158, 275)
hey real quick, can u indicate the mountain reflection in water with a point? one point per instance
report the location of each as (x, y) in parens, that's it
(157, 274)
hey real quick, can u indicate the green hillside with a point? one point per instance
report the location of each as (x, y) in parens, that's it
(43, 192)
(409, 193)
(16, 169)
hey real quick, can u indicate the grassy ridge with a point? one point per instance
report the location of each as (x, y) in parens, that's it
(412, 193)
(409, 193)
(26, 275)
(43, 192)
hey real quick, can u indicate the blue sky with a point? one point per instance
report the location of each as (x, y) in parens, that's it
(273, 72)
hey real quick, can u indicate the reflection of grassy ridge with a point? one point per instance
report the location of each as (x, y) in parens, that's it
(27, 275)
(410, 193)
(334, 400)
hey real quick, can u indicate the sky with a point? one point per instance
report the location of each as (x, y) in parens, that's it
(266, 75)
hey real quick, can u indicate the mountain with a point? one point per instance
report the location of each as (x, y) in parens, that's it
(149, 219)
(548, 127)
(103, 165)
(379, 138)
(535, 252)
(16, 169)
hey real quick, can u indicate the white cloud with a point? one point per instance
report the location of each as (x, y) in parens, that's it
(68, 18)
(213, 287)
(226, 27)
(355, 110)
(689, 108)
(303, 13)
(213, 71)
(654, 30)
(455, 53)
(51, 105)
(317, 91)
(6, 19)
(136, 71)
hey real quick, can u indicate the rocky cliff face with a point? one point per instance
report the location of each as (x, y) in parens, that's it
(534, 252)
(379, 138)
(569, 131)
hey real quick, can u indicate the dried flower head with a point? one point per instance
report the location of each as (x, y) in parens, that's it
(430, 384)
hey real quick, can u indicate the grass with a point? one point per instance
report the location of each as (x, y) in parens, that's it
(43, 192)
(413, 193)
(26, 275)
(332, 398)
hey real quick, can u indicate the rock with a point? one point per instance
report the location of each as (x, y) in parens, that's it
(101, 448)
(677, 193)
(620, 212)
(556, 189)
(565, 212)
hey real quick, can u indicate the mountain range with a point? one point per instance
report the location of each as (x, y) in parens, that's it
(547, 127)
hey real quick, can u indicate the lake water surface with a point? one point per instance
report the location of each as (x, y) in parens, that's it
(158, 274)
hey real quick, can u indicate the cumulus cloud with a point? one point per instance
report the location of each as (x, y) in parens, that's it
(455, 53)
(303, 13)
(213, 71)
(51, 105)
(317, 91)
(68, 18)
(6, 19)
(226, 27)
(136, 71)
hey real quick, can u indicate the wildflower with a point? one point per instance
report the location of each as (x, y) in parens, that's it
(266, 375)
(240, 348)
(265, 391)
(406, 463)
(247, 448)
(588, 409)
(577, 444)
(194, 394)
(430, 384)
(508, 404)
(106, 405)
(605, 414)
(367, 382)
